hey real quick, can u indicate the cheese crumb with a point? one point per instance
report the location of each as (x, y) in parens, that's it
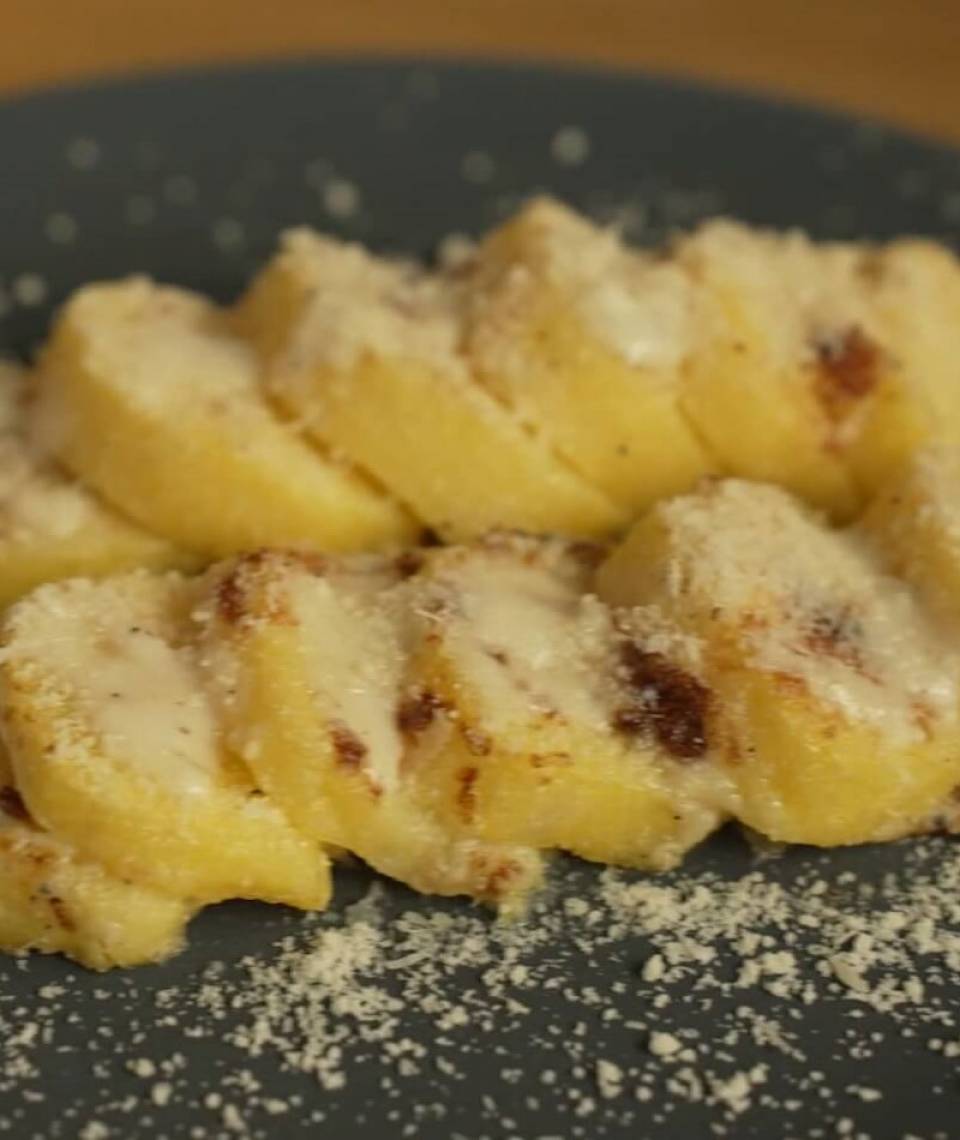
(570, 146)
(664, 1044)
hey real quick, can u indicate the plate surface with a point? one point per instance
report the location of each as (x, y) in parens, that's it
(656, 1013)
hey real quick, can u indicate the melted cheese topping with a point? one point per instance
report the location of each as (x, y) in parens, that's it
(643, 314)
(529, 642)
(638, 308)
(37, 501)
(914, 525)
(808, 603)
(165, 346)
(352, 644)
(930, 491)
(171, 354)
(355, 304)
(107, 652)
(797, 294)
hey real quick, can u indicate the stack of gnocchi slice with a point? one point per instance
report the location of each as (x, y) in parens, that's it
(452, 714)
(238, 660)
(552, 380)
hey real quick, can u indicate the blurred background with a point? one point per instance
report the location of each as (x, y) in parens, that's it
(895, 59)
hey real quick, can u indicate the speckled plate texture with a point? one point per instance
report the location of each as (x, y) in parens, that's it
(774, 995)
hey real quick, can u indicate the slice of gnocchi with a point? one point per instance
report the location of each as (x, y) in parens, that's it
(52, 527)
(914, 524)
(915, 288)
(836, 696)
(588, 341)
(785, 357)
(305, 658)
(146, 396)
(365, 353)
(551, 723)
(52, 901)
(116, 750)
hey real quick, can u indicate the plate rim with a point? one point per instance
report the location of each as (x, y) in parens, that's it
(652, 79)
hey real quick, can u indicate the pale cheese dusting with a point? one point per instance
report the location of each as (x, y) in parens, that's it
(747, 553)
(108, 653)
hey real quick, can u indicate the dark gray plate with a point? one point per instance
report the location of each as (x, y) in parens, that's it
(189, 177)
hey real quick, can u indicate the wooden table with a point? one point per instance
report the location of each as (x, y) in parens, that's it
(898, 59)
